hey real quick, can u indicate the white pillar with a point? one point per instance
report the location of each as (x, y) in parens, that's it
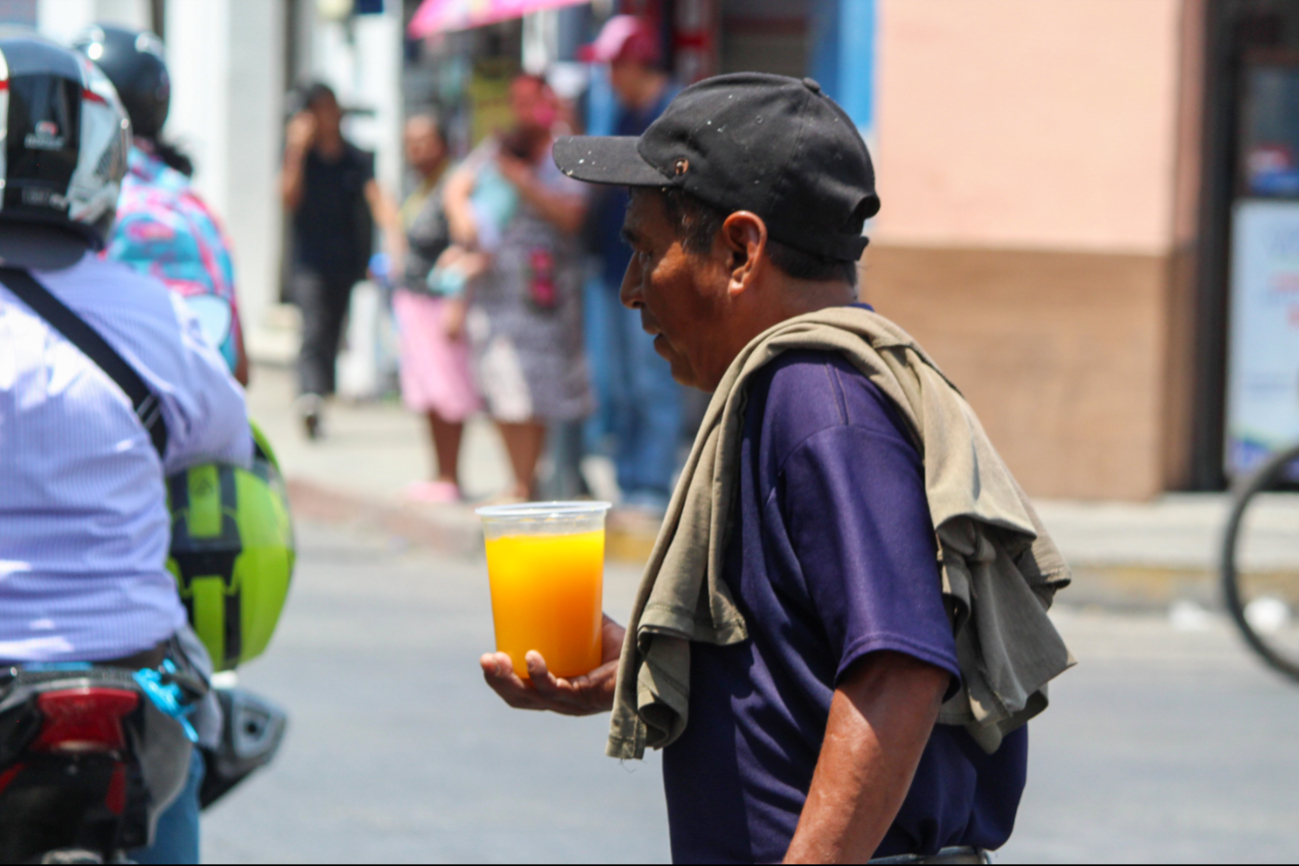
(226, 59)
(378, 85)
(540, 41)
(63, 19)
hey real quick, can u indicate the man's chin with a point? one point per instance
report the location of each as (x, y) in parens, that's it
(683, 378)
(682, 373)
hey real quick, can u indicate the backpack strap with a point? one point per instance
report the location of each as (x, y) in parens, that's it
(147, 406)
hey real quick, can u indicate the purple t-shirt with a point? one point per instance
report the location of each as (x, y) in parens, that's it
(832, 558)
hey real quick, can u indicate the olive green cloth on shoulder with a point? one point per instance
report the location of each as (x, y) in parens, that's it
(1000, 570)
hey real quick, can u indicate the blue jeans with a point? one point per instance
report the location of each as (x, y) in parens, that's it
(638, 398)
(177, 838)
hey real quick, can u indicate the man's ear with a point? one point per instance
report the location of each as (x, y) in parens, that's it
(744, 238)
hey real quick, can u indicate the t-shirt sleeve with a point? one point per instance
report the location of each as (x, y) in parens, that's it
(854, 505)
(206, 415)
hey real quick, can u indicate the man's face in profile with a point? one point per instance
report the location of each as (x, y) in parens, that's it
(680, 294)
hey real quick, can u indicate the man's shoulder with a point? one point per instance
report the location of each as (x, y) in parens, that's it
(111, 290)
(117, 279)
(135, 313)
(803, 393)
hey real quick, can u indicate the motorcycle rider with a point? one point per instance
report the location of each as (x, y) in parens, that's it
(163, 227)
(84, 522)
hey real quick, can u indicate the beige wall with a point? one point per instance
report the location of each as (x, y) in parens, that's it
(1061, 354)
(1038, 164)
(1041, 124)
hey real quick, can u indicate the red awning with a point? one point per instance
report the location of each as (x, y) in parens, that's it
(439, 16)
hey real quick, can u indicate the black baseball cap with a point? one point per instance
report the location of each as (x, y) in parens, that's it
(775, 146)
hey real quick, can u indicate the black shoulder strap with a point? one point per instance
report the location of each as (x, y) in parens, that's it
(85, 338)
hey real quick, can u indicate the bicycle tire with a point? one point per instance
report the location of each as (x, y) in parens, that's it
(1262, 481)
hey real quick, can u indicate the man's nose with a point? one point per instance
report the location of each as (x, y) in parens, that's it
(630, 293)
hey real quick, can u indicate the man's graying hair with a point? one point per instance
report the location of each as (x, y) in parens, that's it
(698, 223)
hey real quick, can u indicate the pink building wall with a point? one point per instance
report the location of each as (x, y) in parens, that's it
(1039, 124)
(1038, 166)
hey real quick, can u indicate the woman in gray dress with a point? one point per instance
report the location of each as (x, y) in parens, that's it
(520, 216)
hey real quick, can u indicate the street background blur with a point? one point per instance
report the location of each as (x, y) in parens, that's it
(1090, 220)
(1088, 217)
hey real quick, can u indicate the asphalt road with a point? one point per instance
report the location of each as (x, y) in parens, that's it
(1163, 745)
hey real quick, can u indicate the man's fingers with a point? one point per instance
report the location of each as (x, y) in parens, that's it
(545, 684)
(497, 664)
(543, 690)
(560, 695)
(499, 673)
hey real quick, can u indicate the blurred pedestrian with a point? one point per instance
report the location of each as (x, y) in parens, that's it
(435, 371)
(163, 227)
(328, 186)
(644, 402)
(515, 218)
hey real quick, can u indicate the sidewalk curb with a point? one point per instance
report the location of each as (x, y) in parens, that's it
(442, 533)
(1141, 588)
(455, 531)
(449, 529)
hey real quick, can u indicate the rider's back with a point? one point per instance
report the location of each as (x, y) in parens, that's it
(84, 526)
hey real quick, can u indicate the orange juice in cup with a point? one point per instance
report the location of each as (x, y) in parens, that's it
(545, 561)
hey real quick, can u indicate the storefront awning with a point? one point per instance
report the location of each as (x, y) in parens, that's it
(440, 16)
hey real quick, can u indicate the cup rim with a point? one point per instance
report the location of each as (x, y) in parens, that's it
(544, 510)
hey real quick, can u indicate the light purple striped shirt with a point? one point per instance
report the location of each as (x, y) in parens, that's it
(84, 528)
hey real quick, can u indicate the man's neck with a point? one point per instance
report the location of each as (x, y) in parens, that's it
(800, 297)
(781, 299)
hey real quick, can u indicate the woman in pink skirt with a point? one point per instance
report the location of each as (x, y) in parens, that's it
(436, 378)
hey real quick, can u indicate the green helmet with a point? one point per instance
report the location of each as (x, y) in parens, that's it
(232, 553)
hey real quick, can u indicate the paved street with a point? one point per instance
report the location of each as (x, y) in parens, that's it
(1164, 745)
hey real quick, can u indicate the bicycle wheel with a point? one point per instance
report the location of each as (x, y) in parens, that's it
(1260, 575)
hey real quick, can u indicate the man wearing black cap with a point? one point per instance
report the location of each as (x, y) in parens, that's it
(842, 629)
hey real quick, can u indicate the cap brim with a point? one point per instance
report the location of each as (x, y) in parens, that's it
(612, 160)
(37, 247)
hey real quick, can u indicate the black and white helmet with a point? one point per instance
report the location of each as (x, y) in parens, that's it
(67, 139)
(134, 61)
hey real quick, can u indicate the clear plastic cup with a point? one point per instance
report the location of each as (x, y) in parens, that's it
(545, 561)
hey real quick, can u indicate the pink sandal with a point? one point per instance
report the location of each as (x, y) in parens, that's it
(434, 492)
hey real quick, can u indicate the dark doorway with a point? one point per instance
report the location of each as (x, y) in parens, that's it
(1244, 39)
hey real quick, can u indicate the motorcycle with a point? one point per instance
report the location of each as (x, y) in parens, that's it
(251, 735)
(90, 757)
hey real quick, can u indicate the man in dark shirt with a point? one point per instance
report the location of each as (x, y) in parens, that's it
(814, 739)
(833, 562)
(328, 187)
